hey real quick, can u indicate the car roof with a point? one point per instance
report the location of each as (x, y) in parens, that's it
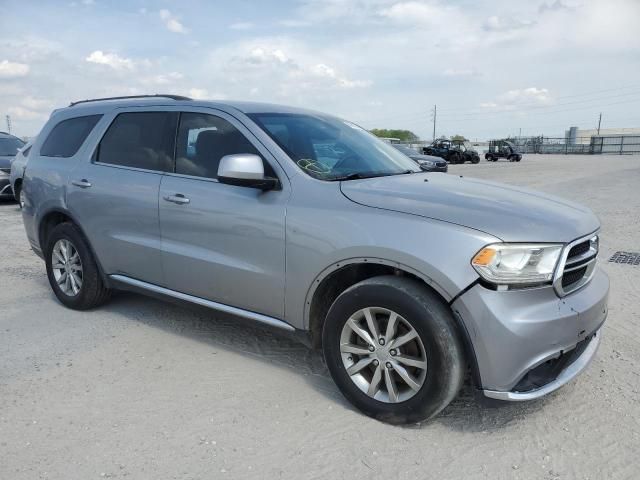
(101, 105)
(8, 135)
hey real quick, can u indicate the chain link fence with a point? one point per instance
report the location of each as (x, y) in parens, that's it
(610, 144)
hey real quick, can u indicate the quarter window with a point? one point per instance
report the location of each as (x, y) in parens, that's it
(140, 140)
(203, 140)
(67, 136)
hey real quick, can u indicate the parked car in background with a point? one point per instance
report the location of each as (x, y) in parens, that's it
(9, 146)
(502, 149)
(452, 152)
(309, 223)
(17, 171)
(428, 163)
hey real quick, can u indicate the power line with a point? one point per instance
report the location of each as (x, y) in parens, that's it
(519, 107)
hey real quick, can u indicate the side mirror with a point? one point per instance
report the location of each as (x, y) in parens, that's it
(245, 170)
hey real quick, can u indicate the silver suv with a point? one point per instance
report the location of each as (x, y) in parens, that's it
(405, 279)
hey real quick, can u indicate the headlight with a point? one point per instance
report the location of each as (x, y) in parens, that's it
(428, 163)
(517, 264)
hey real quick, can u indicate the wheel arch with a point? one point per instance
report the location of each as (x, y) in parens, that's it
(55, 217)
(17, 185)
(340, 275)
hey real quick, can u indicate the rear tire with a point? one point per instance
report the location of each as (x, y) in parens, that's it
(436, 342)
(74, 276)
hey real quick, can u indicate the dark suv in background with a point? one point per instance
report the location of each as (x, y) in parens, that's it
(452, 152)
(502, 149)
(9, 146)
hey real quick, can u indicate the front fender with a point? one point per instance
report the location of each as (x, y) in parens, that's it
(321, 237)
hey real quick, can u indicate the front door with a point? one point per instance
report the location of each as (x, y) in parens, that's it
(221, 242)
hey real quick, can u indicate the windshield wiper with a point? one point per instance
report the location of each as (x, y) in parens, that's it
(360, 175)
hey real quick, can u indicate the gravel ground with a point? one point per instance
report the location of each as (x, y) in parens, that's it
(145, 389)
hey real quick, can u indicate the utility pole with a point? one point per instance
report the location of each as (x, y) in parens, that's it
(599, 120)
(434, 112)
(8, 118)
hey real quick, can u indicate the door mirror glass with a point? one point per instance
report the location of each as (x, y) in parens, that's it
(245, 170)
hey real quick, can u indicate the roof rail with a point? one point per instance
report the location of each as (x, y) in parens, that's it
(173, 97)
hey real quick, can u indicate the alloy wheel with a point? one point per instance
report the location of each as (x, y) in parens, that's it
(383, 354)
(67, 267)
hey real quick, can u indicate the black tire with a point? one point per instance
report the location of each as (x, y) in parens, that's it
(431, 318)
(16, 193)
(489, 158)
(93, 291)
(475, 160)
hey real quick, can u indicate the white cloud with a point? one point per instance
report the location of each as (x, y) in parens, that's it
(13, 69)
(241, 26)
(22, 113)
(512, 99)
(505, 24)
(164, 78)
(171, 22)
(112, 60)
(323, 70)
(461, 72)
(412, 12)
(31, 108)
(262, 55)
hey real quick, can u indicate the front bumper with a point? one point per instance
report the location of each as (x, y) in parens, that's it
(443, 169)
(517, 334)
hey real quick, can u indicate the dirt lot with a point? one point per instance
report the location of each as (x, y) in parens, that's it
(144, 389)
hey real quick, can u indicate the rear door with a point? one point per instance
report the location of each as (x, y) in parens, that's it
(222, 242)
(114, 195)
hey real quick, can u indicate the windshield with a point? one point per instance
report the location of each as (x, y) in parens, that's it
(406, 150)
(327, 148)
(9, 146)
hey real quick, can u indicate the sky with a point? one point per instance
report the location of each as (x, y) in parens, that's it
(493, 67)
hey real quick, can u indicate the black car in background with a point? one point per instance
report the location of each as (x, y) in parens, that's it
(452, 151)
(502, 149)
(9, 146)
(427, 163)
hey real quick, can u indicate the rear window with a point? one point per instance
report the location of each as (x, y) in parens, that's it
(140, 140)
(9, 146)
(66, 137)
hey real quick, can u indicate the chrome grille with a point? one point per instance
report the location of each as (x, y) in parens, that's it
(577, 264)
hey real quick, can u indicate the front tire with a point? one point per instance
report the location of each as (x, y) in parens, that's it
(393, 350)
(72, 271)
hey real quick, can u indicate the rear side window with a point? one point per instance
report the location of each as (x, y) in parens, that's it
(203, 140)
(66, 137)
(140, 140)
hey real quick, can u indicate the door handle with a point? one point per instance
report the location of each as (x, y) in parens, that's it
(177, 198)
(81, 183)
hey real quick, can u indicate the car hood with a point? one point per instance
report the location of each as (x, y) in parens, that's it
(422, 158)
(512, 214)
(6, 160)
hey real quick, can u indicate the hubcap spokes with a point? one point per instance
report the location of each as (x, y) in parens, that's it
(383, 354)
(67, 267)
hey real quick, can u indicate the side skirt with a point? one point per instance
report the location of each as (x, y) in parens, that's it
(155, 289)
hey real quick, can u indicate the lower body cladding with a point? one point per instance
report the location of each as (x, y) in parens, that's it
(529, 342)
